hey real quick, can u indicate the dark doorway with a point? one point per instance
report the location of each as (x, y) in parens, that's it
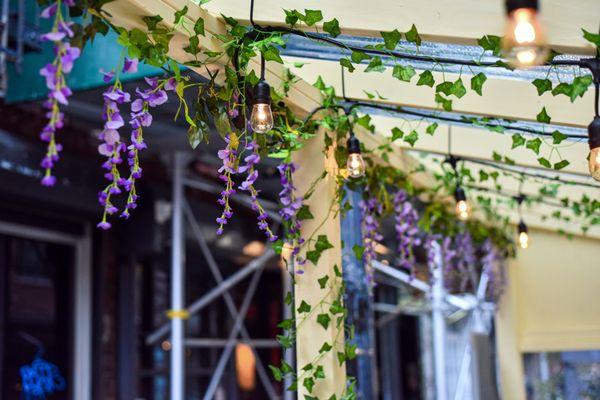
(36, 289)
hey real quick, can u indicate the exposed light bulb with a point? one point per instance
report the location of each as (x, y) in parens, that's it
(594, 142)
(462, 208)
(523, 235)
(261, 119)
(355, 164)
(595, 163)
(524, 42)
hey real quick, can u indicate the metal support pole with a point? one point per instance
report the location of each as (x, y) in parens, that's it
(439, 323)
(177, 284)
(358, 299)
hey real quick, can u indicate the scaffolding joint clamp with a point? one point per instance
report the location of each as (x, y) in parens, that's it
(178, 314)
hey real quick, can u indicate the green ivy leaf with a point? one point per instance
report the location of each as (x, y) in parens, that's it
(180, 14)
(358, 56)
(543, 116)
(477, 83)
(286, 324)
(276, 373)
(397, 133)
(431, 128)
(358, 251)
(483, 176)
(319, 372)
(152, 22)
(271, 53)
(458, 88)
(312, 17)
(517, 141)
(491, 43)
(288, 298)
(544, 162)
(562, 88)
(309, 384)
(558, 137)
(391, 39)
(304, 307)
(593, 38)
(426, 79)
(561, 164)
(580, 85)
(412, 138)
(325, 348)
(337, 271)
(542, 85)
(375, 65)
(323, 320)
(534, 145)
(323, 281)
(496, 157)
(403, 73)
(199, 26)
(445, 103)
(344, 62)
(291, 17)
(332, 27)
(413, 36)
(304, 213)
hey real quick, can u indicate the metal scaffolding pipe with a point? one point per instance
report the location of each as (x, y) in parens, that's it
(439, 323)
(203, 301)
(177, 359)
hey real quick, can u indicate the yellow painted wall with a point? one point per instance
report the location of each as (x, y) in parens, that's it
(552, 303)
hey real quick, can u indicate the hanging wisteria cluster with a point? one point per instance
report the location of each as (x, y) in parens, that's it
(113, 148)
(58, 91)
(371, 212)
(406, 221)
(291, 204)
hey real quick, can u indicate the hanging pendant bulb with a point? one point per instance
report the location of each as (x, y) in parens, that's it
(524, 43)
(523, 235)
(594, 142)
(261, 118)
(462, 208)
(355, 164)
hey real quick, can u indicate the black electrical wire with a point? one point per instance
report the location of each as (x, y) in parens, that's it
(513, 195)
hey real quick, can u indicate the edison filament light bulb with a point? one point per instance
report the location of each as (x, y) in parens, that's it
(523, 236)
(594, 142)
(524, 42)
(261, 119)
(462, 208)
(355, 164)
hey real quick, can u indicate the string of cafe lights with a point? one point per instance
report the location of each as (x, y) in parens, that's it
(523, 45)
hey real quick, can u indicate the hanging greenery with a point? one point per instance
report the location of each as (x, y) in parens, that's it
(225, 99)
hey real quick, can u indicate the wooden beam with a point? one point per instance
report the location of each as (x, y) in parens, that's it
(446, 21)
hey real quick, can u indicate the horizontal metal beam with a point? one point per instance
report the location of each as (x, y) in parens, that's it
(213, 342)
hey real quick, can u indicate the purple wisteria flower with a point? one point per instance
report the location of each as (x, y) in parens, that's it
(140, 119)
(58, 91)
(228, 157)
(465, 258)
(290, 205)
(250, 160)
(493, 267)
(112, 148)
(406, 220)
(371, 210)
